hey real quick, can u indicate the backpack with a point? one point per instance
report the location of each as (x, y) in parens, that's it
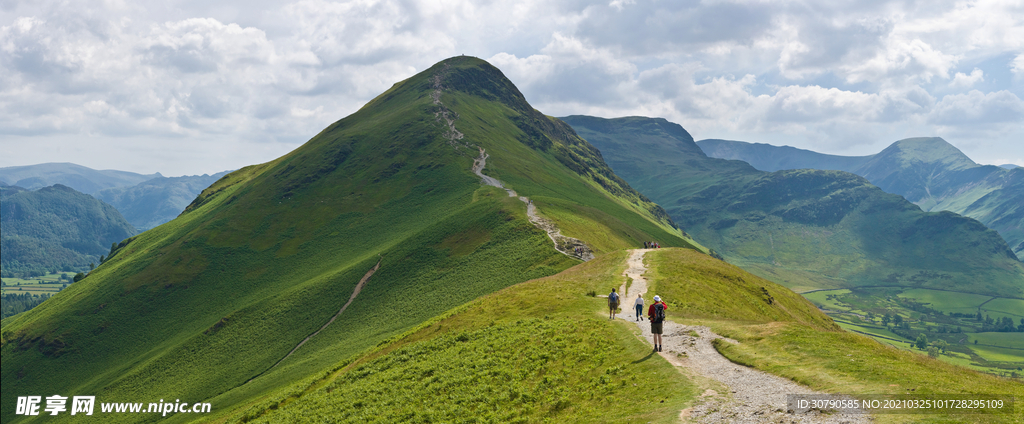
(613, 298)
(659, 312)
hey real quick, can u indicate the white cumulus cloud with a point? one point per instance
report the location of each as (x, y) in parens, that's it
(962, 80)
(977, 108)
(264, 76)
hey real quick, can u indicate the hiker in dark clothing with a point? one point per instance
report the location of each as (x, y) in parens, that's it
(613, 304)
(656, 313)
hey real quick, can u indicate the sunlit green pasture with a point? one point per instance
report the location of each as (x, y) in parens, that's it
(947, 301)
(999, 354)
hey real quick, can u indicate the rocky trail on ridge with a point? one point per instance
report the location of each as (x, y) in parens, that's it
(753, 396)
(567, 245)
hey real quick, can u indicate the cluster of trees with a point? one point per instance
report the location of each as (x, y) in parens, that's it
(934, 348)
(988, 324)
(917, 306)
(895, 319)
(1002, 325)
(12, 304)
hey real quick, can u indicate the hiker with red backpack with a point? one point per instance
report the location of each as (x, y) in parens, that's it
(656, 313)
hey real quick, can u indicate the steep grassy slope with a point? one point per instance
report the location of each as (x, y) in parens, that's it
(804, 228)
(1001, 209)
(544, 350)
(541, 350)
(195, 308)
(56, 228)
(536, 351)
(929, 172)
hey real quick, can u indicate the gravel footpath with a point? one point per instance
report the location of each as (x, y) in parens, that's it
(753, 396)
(567, 245)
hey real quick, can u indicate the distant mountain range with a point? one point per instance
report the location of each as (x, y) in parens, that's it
(78, 177)
(156, 201)
(146, 201)
(56, 228)
(803, 228)
(49, 227)
(929, 172)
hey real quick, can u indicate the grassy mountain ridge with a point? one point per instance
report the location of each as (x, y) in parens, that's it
(264, 256)
(928, 171)
(543, 350)
(537, 350)
(804, 228)
(56, 228)
(487, 84)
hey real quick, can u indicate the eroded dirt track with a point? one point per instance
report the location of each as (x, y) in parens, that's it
(749, 395)
(359, 287)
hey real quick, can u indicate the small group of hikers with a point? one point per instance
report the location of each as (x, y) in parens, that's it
(651, 245)
(655, 314)
(578, 250)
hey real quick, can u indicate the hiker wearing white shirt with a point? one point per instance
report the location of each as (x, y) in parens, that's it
(639, 307)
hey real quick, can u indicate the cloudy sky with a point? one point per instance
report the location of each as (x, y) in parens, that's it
(200, 86)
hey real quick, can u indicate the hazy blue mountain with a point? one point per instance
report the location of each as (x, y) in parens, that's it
(56, 228)
(80, 178)
(156, 201)
(766, 157)
(927, 171)
(1009, 166)
(145, 200)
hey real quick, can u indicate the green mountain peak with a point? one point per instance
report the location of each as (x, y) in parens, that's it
(268, 254)
(930, 150)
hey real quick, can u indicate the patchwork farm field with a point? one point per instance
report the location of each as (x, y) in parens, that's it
(999, 354)
(950, 322)
(1013, 308)
(50, 284)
